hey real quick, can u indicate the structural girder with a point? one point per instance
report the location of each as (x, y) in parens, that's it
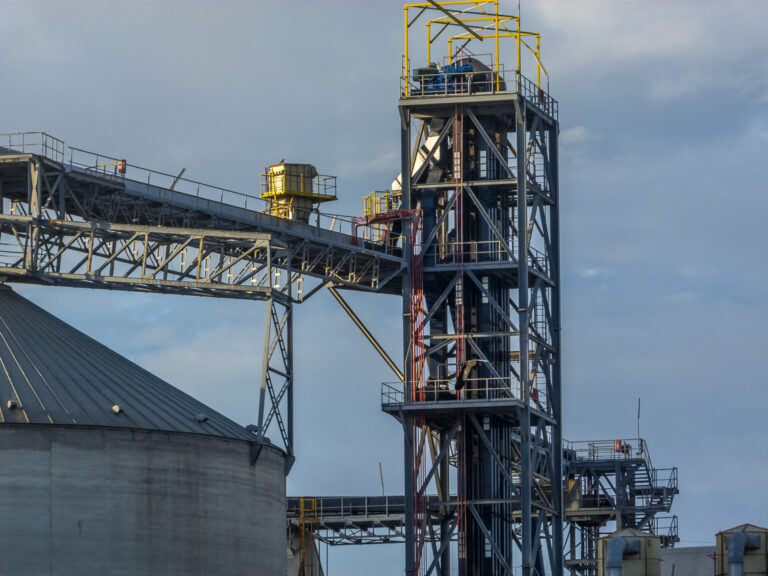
(482, 333)
(596, 482)
(55, 192)
(203, 262)
(76, 223)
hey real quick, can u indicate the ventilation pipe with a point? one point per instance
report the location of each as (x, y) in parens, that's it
(737, 543)
(615, 550)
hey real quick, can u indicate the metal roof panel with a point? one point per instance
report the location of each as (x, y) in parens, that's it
(51, 373)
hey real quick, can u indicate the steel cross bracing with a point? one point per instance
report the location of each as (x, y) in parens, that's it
(606, 489)
(61, 205)
(67, 221)
(276, 390)
(481, 335)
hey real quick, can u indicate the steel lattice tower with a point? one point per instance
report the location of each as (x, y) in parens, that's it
(481, 309)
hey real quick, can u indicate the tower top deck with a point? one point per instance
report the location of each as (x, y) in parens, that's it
(468, 62)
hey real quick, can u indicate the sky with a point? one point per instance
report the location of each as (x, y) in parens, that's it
(664, 163)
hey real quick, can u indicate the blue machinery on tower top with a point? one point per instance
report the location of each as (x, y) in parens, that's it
(467, 235)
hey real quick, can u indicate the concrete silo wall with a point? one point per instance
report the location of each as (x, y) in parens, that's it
(76, 501)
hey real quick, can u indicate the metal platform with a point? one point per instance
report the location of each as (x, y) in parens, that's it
(69, 217)
(76, 221)
(606, 490)
(612, 485)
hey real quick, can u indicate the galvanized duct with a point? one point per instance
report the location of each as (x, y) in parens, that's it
(615, 550)
(737, 544)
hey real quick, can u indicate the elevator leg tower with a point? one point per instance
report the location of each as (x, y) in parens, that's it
(481, 305)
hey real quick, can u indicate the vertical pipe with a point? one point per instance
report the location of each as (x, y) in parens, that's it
(407, 420)
(522, 283)
(519, 58)
(405, 55)
(557, 396)
(429, 42)
(445, 560)
(410, 541)
(289, 359)
(498, 61)
(538, 61)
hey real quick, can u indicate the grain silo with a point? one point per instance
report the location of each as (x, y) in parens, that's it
(108, 470)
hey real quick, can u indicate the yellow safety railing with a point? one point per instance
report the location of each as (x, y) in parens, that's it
(536, 52)
(307, 522)
(379, 202)
(321, 188)
(480, 20)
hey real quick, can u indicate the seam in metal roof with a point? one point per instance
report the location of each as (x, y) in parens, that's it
(58, 375)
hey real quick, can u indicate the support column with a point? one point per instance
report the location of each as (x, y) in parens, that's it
(34, 201)
(557, 391)
(407, 420)
(522, 283)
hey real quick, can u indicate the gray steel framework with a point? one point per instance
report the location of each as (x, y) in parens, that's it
(612, 485)
(67, 220)
(276, 393)
(481, 330)
(59, 196)
(605, 490)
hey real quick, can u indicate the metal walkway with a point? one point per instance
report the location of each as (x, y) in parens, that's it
(610, 484)
(69, 217)
(75, 220)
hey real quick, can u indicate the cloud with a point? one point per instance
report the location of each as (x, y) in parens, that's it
(672, 49)
(759, 127)
(574, 135)
(594, 273)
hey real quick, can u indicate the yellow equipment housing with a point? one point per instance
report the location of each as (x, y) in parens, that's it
(293, 191)
(645, 562)
(755, 558)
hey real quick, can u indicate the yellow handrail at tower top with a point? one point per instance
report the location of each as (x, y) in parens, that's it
(479, 20)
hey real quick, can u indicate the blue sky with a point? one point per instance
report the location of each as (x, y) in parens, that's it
(664, 163)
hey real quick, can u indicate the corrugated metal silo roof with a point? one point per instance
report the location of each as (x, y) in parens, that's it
(51, 373)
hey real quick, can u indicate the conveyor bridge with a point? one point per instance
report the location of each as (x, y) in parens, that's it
(71, 218)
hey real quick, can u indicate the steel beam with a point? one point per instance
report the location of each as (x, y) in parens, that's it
(368, 336)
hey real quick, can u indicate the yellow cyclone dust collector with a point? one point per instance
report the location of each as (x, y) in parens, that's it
(294, 191)
(629, 552)
(742, 551)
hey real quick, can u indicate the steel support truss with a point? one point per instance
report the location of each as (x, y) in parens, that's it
(481, 400)
(276, 391)
(353, 520)
(60, 193)
(52, 233)
(609, 485)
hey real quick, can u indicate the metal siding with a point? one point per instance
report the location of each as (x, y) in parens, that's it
(82, 500)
